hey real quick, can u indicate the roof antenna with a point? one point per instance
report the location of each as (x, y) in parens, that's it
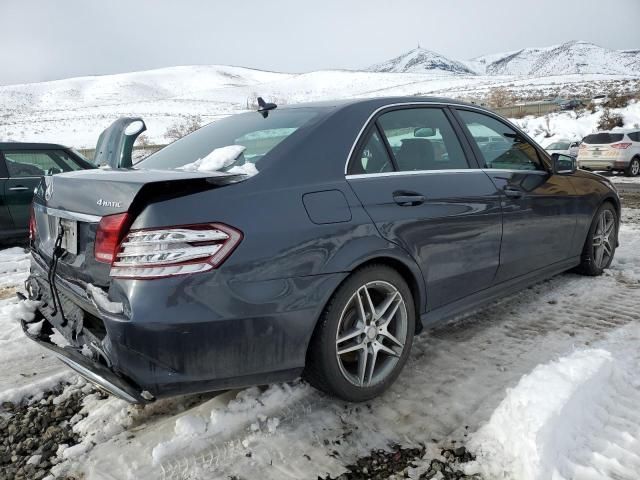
(264, 107)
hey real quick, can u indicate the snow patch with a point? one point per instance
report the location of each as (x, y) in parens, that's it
(101, 300)
(217, 159)
(535, 424)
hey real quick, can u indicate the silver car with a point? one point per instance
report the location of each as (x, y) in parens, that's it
(615, 150)
(564, 147)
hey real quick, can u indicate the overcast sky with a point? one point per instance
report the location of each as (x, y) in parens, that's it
(50, 39)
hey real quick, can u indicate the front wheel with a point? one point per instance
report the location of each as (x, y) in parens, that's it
(601, 241)
(633, 169)
(364, 336)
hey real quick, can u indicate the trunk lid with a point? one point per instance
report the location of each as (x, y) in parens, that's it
(76, 201)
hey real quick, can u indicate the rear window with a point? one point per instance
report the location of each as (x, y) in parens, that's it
(250, 134)
(599, 138)
(559, 146)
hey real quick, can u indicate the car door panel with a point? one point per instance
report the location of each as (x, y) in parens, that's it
(454, 235)
(539, 225)
(6, 221)
(447, 216)
(539, 208)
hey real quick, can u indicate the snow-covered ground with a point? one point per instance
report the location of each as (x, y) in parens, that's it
(543, 384)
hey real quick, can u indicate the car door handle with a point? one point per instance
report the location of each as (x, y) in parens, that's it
(513, 192)
(408, 199)
(19, 188)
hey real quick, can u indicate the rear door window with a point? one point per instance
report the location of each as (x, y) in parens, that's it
(422, 139)
(507, 149)
(24, 163)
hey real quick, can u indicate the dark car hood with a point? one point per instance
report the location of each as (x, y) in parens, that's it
(105, 191)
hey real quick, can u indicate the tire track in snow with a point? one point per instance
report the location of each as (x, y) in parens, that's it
(468, 362)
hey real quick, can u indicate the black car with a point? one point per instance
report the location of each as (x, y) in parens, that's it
(22, 166)
(314, 239)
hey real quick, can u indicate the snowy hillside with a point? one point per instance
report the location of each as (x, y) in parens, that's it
(570, 57)
(420, 60)
(74, 111)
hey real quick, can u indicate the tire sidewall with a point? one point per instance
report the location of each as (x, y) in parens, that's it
(629, 171)
(327, 345)
(588, 259)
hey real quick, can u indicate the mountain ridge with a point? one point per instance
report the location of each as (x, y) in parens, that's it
(575, 56)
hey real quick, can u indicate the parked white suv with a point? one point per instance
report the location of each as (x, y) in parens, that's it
(612, 150)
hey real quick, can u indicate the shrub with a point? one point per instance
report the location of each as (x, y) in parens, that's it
(609, 120)
(617, 101)
(499, 97)
(184, 127)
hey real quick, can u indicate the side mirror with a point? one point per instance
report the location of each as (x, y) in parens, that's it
(563, 164)
(424, 132)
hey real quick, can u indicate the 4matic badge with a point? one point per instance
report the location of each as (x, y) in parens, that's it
(105, 203)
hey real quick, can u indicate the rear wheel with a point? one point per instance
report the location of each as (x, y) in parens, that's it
(364, 336)
(601, 241)
(634, 168)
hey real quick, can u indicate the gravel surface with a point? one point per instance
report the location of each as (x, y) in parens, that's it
(35, 432)
(397, 462)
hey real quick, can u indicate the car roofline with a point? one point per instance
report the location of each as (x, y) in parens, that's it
(31, 146)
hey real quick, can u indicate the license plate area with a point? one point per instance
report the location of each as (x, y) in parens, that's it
(70, 237)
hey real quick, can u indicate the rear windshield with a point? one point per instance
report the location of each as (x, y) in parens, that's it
(558, 146)
(599, 138)
(236, 143)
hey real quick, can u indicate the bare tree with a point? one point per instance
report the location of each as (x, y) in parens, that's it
(184, 127)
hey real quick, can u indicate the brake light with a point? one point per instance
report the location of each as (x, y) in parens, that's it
(110, 232)
(165, 252)
(621, 145)
(32, 224)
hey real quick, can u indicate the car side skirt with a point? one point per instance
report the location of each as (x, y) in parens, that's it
(471, 303)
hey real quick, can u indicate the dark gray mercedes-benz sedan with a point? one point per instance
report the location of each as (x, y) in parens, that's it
(312, 239)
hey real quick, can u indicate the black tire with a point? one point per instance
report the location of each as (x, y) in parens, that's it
(634, 167)
(589, 264)
(323, 370)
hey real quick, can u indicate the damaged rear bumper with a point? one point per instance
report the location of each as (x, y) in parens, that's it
(182, 335)
(90, 369)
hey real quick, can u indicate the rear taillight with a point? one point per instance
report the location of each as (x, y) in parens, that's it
(32, 224)
(110, 231)
(621, 145)
(164, 252)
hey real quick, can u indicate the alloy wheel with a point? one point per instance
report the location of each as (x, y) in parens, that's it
(604, 238)
(371, 334)
(635, 167)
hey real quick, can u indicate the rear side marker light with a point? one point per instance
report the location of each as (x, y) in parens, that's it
(622, 145)
(32, 224)
(165, 252)
(110, 232)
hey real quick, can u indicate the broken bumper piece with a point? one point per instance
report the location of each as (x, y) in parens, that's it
(92, 370)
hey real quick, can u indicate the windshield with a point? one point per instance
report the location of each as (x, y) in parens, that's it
(236, 143)
(598, 138)
(559, 146)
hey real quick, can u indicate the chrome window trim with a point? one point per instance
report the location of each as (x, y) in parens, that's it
(410, 172)
(423, 104)
(79, 217)
(18, 178)
(436, 172)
